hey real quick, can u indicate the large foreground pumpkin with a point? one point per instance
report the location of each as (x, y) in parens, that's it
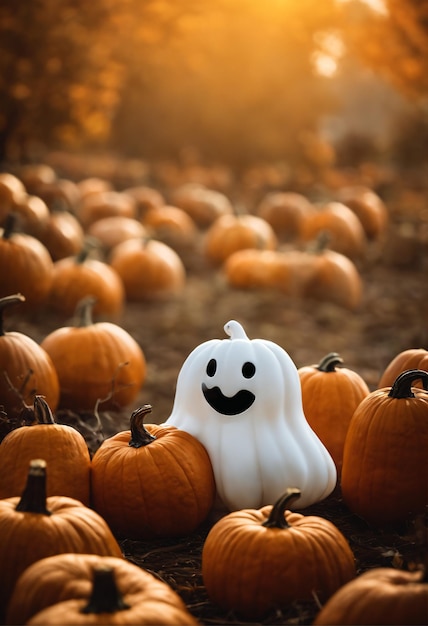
(67, 588)
(385, 458)
(152, 480)
(259, 560)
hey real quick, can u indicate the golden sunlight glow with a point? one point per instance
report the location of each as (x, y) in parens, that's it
(325, 65)
(378, 6)
(330, 49)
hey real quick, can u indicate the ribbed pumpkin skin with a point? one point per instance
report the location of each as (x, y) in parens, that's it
(335, 279)
(230, 233)
(27, 267)
(30, 371)
(414, 358)
(63, 235)
(57, 579)
(385, 458)
(330, 397)
(383, 596)
(73, 280)
(345, 229)
(148, 268)
(62, 447)
(28, 537)
(91, 359)
(251, 569)
(368, 207)
(165, 488)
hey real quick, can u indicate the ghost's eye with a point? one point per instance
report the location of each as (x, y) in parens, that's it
(248, 369)
(211, 367)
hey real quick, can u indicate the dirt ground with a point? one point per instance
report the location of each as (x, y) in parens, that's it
(392, 317)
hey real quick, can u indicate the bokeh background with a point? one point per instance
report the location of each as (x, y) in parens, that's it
(235, 82)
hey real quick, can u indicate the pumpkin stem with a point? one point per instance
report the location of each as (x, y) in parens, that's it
(402, 387)
(4, 303)
(329, 362)
(276, 517)
(42, 411)
(33, 498)
(9, 225)
(140, 436)
(84, 310)
(320, 243)
(105, 596)
(89, 244)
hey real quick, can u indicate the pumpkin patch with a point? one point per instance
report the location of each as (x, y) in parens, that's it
(237, 420)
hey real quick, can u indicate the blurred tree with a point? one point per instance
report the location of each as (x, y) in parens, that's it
(394, 42)
(62, 68)
(57, 76)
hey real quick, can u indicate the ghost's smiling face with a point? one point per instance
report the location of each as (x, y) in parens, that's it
(228, 405)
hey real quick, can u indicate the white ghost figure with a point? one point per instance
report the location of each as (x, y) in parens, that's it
(242, 400)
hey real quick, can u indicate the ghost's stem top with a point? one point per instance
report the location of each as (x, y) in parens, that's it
(235, 330)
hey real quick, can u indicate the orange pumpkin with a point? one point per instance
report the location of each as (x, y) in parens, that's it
(60, 195)
(34, 174)
(79, 276)
(26, 265)
(12, 191)
(63, 235)
(93, 184)
(32, 215)
(171, 225)
(33, 526)
(381, 596)
(145, 198)
(204, 205)
(335, 278)
(287, 271)
(66, 588)
(100, 204)
(61, 446)
(285, 211)
(230, 233)
(110, 231)
(148, 268)
(26, 368)
(385, 460)
(330, 395)
(140, 475)
(412, 358)
(345, 230)
(257, 561)
(368, 207)
(97, 363)
(251, 268)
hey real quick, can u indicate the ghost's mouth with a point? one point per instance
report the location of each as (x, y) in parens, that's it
(225, 405)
